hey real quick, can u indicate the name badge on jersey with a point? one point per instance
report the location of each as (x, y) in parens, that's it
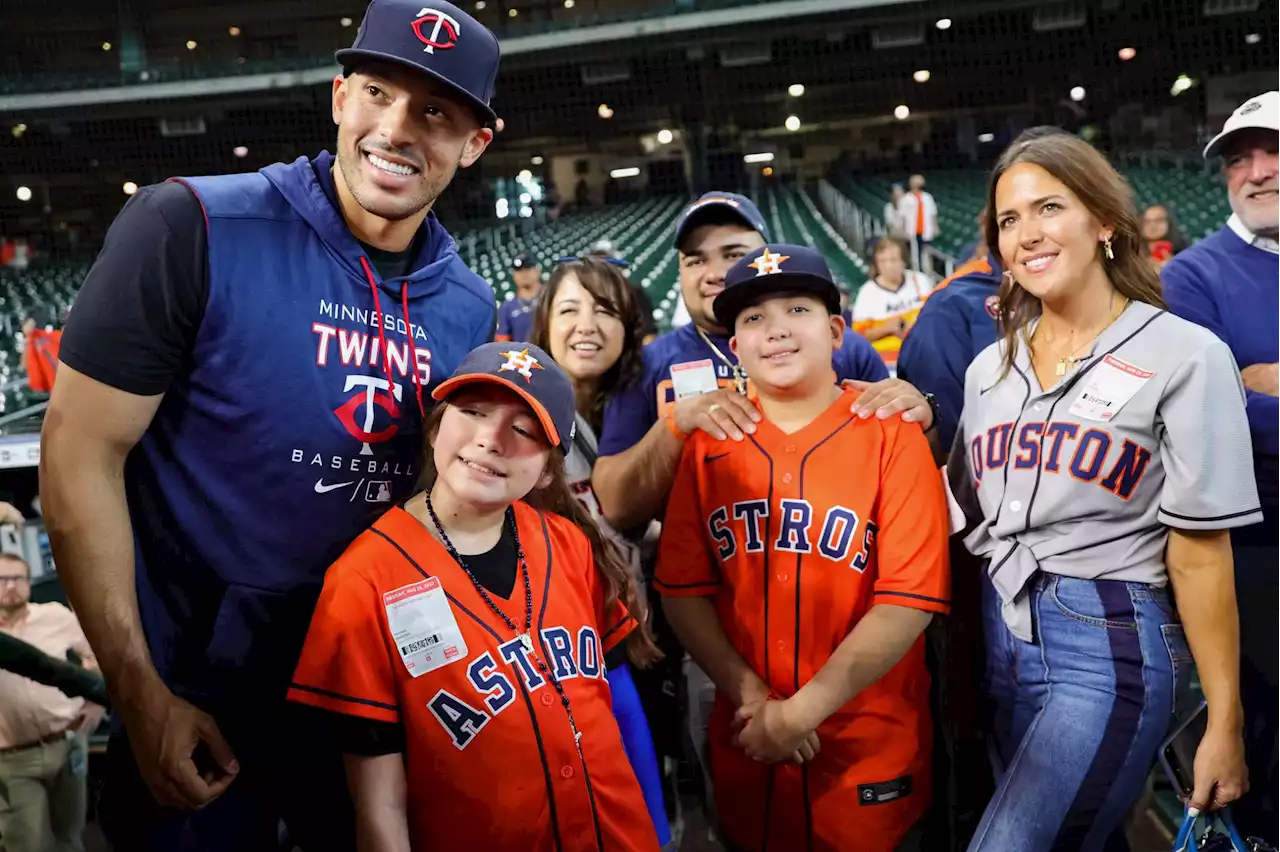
(1111, 384)
(423, 627)
(693, 378)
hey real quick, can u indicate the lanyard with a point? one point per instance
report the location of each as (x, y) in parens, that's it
(739, 377)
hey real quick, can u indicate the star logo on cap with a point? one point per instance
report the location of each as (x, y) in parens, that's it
(520, 362)
(768, 263)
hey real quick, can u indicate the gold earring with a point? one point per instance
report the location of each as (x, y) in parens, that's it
(1106, 247)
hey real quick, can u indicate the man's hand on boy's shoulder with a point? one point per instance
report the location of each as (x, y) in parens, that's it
(889, 397)
(721, 413)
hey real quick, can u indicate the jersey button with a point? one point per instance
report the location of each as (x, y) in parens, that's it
(786, 477)
(782, 646)
(782, 578)
(1037, 406)
(791, 448)
(547, 700)
(566, 772)
(1015, 505)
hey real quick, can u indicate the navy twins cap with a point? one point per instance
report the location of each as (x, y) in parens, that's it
(530, 372)
(774, 268)
(439, 39)
(717, 205)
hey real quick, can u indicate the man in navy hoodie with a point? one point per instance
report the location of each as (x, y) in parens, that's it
(242, 391)
(1227, 283)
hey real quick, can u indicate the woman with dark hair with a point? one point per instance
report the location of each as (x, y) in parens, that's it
(1161, 238)
(1102, 455)
(887, 305)
(588, 321)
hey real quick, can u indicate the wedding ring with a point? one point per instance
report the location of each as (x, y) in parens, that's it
(715, 406)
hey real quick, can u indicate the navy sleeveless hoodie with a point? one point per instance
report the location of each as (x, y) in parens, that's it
(297, 423)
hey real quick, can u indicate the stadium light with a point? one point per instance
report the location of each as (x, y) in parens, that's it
(665, 136)
(234, 31)
(604, 111)
(525, 176)
(502, 209)
(511, 13)
(986, 137)
(480, 4)
(767, 171)
(1077, 93)
(764, 157)
(106, 45)
(191, 45)
(1127, 53)
(568, 4)
(901, 112)
(1181, 84)
(537, 161)
(1253, 38)
(346, 22)
(793, 123)
(943, 24)
(526, 198)
(795, 90)
(240, 151)
(129, 187)
(628, 172)
(24, 193)
(921, 76)
(18, 130)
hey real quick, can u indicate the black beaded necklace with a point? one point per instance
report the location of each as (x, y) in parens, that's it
(525, 636)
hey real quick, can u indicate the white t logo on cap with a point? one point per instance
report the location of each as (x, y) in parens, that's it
(440, 21)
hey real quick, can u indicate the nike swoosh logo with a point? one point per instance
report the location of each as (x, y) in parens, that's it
(709, 459)
(321, 488)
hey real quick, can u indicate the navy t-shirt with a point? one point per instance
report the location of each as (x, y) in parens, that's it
(632, 411)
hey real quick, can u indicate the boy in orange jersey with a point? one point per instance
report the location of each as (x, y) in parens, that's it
(800, 568)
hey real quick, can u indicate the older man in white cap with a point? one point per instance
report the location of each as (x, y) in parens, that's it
(1228, 283)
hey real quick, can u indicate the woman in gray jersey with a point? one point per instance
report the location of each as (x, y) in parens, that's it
(1102, 454)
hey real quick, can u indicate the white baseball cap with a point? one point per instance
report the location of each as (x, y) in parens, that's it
(1262, 112)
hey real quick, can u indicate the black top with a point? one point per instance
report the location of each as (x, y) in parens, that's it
(136, 317)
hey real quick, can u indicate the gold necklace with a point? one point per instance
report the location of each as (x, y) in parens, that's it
(1071, 359)
(739, 377)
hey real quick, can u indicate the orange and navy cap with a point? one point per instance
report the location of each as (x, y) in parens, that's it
(530, 372)
(774, 268)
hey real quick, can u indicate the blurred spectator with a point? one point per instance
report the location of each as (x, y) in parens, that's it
(40, 353)
(1161, 238)
(515, 316)
(1227, 283)
(43, 733)
(886, 306)
(15, 253)
(894, 224)
(918, 213)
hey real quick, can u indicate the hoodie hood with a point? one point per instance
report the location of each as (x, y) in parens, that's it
(307, 185)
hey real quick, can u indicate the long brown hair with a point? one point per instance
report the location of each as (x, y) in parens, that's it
(1104, 193)
(619, 584)
(609, 287)
(884, 244)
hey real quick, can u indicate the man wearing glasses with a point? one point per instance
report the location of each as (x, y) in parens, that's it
(43, 733)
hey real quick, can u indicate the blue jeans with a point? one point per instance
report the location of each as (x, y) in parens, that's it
(1080, 713)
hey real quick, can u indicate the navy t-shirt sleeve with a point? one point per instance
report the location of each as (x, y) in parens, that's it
(135, 320)
(628, 415)
(858, 359)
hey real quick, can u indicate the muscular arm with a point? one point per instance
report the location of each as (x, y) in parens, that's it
(879, 640)
(1202, 574)
(379, 792)
(698, 628)
(632, 486)
(89, 429)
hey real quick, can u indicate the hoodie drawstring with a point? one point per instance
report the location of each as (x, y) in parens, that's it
(382, 337)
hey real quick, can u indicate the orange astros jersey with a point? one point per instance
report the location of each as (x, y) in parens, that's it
(796, 536)
(400, 635)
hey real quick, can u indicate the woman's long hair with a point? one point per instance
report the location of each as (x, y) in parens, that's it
(1105, 194)
(558, 499)
(608, 286)
(883, 244)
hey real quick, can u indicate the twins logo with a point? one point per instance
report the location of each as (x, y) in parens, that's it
(567, 656)
(374, 397)
(440, 22)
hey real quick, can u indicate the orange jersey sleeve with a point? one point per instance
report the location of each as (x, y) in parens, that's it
(912, 526)
(346, 666)
(686, 565)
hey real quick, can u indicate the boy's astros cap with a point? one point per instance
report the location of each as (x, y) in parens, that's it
(443, 42)
(530, 372)
(774, 268)
(717, 203)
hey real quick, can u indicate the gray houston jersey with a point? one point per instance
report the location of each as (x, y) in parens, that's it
(1083, 480)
